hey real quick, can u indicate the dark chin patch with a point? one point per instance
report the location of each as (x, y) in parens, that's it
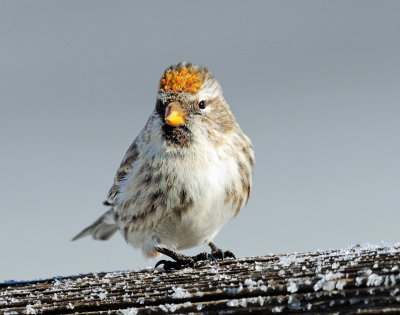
(177, 136)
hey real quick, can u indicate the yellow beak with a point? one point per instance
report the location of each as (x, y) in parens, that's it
(175, 118)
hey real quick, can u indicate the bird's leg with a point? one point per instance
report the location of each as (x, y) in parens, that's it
(218, 254)
(181, 261)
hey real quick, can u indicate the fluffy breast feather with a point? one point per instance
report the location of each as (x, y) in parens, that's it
(180, 198)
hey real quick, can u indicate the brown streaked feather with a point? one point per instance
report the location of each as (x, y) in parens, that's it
(221, 116)
(129, 158)
(245, 164)
(247, 150)
(185, 203)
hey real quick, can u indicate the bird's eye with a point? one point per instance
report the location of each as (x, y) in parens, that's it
(202, 105)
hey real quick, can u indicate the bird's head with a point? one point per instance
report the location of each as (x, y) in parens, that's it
(190, 104)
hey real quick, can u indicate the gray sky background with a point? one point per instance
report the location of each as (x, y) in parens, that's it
(314, 84)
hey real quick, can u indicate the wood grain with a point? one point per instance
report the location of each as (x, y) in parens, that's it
(358, 280)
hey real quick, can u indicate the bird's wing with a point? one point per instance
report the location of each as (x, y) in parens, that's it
(102, 229)
(105, 226)
(122, 171)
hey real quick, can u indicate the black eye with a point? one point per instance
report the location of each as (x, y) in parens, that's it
(202, 105)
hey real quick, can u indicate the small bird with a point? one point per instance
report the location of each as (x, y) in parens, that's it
(188, 172)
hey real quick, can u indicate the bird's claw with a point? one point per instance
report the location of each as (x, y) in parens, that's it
(220, 255)
(161, 262)
(175, 265)
(181, 261)
(201, 257)
(229, 254)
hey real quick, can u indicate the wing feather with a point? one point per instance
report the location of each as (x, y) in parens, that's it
(124, 168)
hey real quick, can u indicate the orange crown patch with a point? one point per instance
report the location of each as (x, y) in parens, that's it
(184, 79)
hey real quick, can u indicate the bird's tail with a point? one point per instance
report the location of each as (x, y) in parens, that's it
(102, 229)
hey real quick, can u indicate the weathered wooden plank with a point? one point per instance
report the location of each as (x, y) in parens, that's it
(358, 280)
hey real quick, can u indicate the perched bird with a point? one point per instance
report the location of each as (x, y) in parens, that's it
(188, 172)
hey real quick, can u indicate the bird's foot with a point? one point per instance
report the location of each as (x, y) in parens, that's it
(180, 261)
(221, 255)
(201, 257)
(177, 264)
(218, 254)
(184, 262)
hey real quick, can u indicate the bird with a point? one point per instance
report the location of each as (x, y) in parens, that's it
(184, 177)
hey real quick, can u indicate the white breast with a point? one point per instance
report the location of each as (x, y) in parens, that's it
(205, 173)
(205, 182)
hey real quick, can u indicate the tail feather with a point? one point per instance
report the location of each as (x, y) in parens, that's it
(102, 229)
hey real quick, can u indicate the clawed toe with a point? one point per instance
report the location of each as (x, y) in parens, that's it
(220, 255)
(181, 261)
(229, 254)
(175, 265)
(161, 262)
(217, 255)
(201, 257)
